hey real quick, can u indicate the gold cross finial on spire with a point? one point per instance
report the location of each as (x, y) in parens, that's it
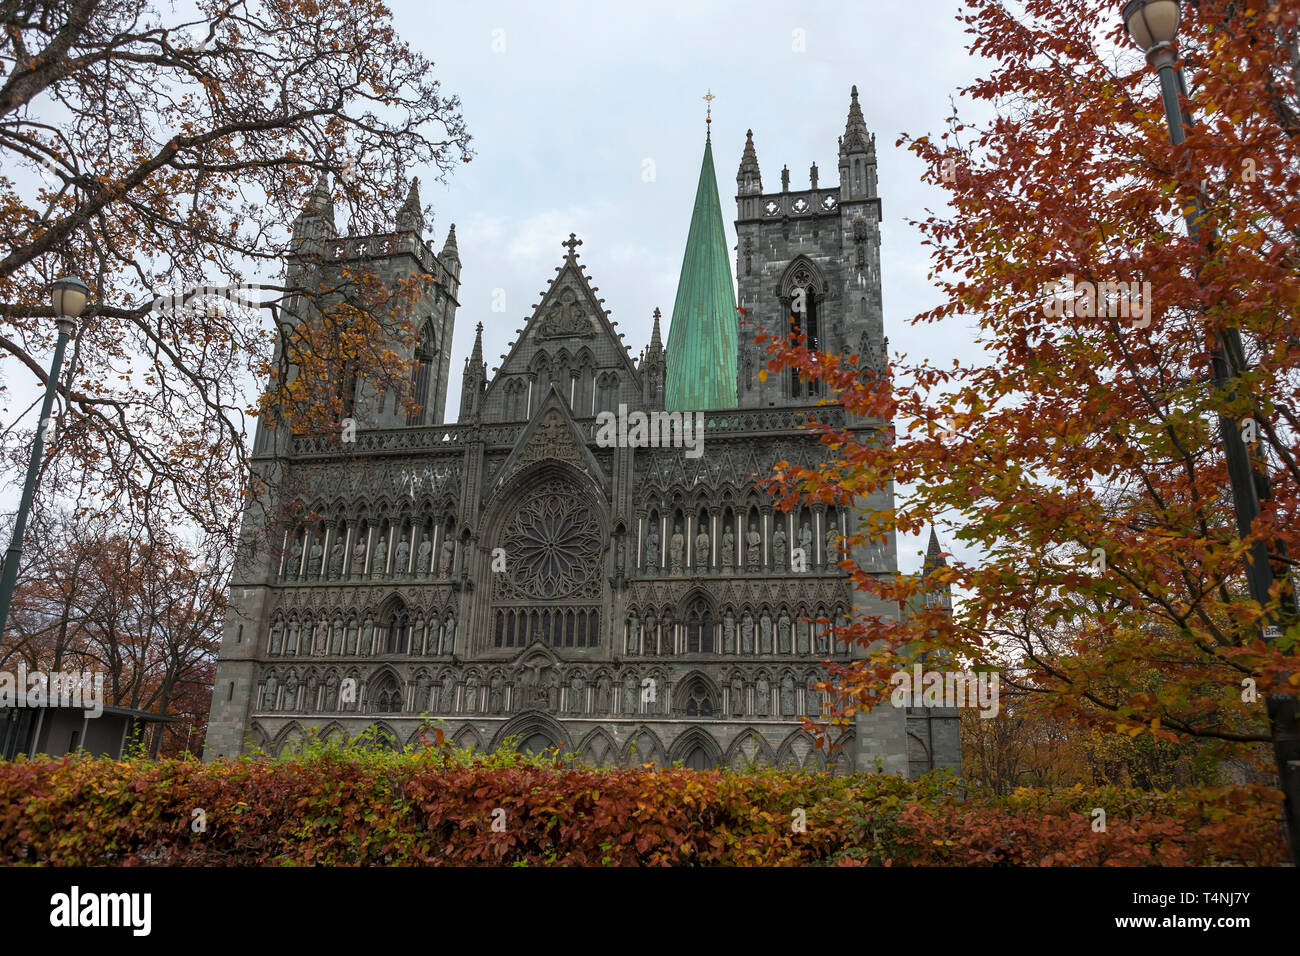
(708, 99)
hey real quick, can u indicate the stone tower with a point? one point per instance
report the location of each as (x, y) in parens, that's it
(811, 255)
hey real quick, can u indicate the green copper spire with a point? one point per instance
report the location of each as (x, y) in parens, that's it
(702, 336)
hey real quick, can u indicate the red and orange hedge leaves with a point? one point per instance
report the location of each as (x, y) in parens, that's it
(423, 808)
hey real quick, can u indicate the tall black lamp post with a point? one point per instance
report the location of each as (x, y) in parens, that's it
(70, 296)
(1153, 25)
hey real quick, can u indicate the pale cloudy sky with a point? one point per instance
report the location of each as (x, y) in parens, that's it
(567, 102)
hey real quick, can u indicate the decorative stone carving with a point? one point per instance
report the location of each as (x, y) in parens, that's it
(423, 556)
(633, 634)
(652, 550)
(728, 633)
(277, 636)
(359, 557)
(762, 697)
(295, 562)
(832, 547)
(747, 634)
(629, 694)
(602, 694)
(737, 696)
(702, 550)
(336, 560)
(676, 545)
(367, 637)
(577, 689)
(754, 549)
(447, 693)
(787, 696)
(765, 633)
(381, 557)
(314, 558)
(446, 553)
(566, 320)
(805, 542)
(401, 558)
(728, 549)
(471, 695)
(783, 633)
(778, 548)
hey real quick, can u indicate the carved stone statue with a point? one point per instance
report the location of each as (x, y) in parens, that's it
(805, 542)
(401, 558)
(602, 694)
(620, 554)
(291, 693)
(676, 545)
(822, 637)
(367, 636)
(314, 558)
(449, 635)
(765, 633)
(577, 690)
(336, 559)
(737, 696)
(447, 693)
(762, 697)
(778, 547)
(471, 694)
(359, 558)
(633, 634)
(832, 547)
(446, 553)
(268, 701)
(801, 629)
(652, 550)
(753, 549)
(496, 694)
(747, 634)
(728, 633)
(783, 633)
(291, 643)
(629, 694)
(728, 549)
(422, 693)
(813, 701)
(702, 551)
(787, 696)
(423, 555)
(381, 558)
(336, 638)
(295, 562)
(277, 636)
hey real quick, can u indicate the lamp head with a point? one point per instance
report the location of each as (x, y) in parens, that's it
(70, 296)
(1153, 24)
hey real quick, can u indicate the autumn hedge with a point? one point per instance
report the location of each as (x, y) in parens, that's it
(429, 809)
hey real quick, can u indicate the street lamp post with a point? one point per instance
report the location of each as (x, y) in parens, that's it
(70, 297)
(1153, 26)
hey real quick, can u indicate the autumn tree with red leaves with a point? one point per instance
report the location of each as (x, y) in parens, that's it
(1079, 462)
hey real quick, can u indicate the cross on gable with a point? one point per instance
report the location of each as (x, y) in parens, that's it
(572, 244)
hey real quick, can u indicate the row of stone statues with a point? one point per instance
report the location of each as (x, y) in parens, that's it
(436, 636)
(761, 635)
(802, 559)
(317, 567)
(474, 695)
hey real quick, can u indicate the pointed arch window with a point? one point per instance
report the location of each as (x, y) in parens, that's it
(699, 629)
(422, 375)
(388, 698)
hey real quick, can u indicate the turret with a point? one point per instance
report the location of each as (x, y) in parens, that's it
(749, 181)
(857, 156)
(474, 380)
(653, 369)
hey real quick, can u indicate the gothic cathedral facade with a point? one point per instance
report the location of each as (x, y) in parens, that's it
(513, 578)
